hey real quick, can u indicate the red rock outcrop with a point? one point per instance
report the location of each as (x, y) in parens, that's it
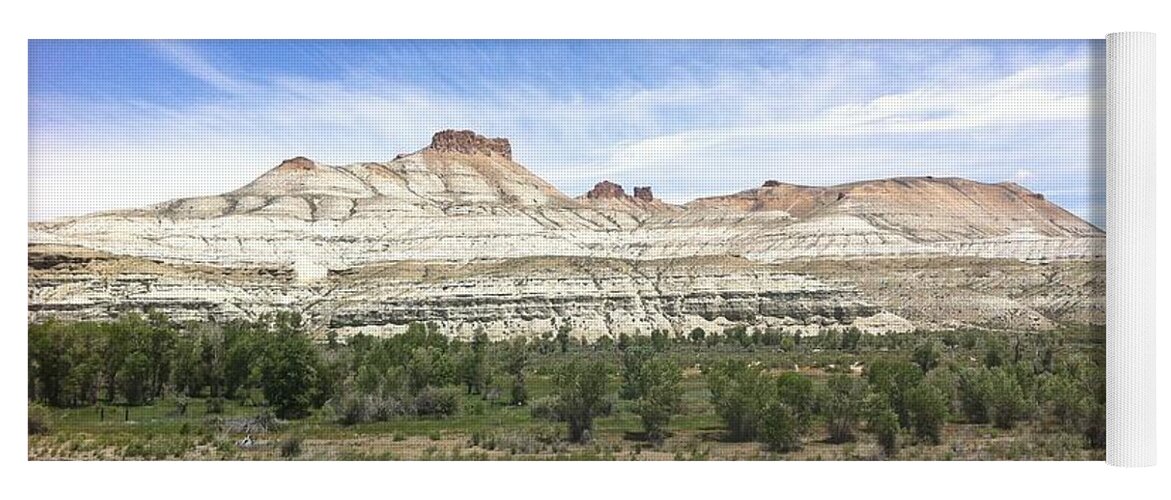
(468, 142)
(644, 194)
(298, 163)
(606, 190)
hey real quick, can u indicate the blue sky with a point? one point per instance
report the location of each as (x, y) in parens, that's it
(119, 124)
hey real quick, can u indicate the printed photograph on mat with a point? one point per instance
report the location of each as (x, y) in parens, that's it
(571, 250)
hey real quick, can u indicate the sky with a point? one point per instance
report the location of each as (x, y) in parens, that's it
(122, 124)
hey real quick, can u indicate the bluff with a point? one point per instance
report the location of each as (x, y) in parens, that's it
(308, 233)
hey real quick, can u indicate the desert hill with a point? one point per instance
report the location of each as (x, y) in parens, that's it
(372, 246)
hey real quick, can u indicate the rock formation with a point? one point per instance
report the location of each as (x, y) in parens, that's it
(371, 246)
(606, 190)
(468, 142)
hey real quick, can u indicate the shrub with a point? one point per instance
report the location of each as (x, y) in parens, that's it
(181, 403)
(437, 402)
(520, 393)
(796, 391)
(895, 380)
(290, 447)
(927, 407)
(841, 406)
(885, 427)
(1068, 401)
(1007, 401)
(660, 396)
(351, 409)
(974, 395)
(38, 419)
(545, 408)
(926, 355)
(740, 395)
(995, 353)
(1094, 426)
(633, 381)
(357, 409)
(697, 335)
(428, 367)
(215, 406)
(781, 428)
(581, 390)
(516, 360)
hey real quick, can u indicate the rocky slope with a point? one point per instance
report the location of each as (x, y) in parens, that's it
(530, 296)
(461, 234)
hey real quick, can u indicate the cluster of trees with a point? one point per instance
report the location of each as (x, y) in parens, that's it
(583, 391)
(849, 339)
(135, 360)
(652, 382)
(754, 405)
(416, 373)
(917, 396)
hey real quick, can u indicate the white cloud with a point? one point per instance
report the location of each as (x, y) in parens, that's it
(197, 66)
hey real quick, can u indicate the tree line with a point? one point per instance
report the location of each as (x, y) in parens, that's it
(422, 373)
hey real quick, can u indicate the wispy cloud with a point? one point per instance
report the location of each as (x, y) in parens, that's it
(196, 65)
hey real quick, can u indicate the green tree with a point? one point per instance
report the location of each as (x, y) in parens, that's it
(850, 339)
(895, 379)
(975, 394)
(158, 346)
(842, 406)
(634, 381)
(995, 353)
(659, 396)
(288, 374)
(473, 367)
(1007, 401)
(885, 426)
(796, 391)
(187, 374)
(581, 388)
(134, 378)
(624, 341)
(563, 337)
(787, 416)
(740, 395)
(696, 336)
(49, 363)
(781, 428)
(1066, 399)
(927, 407)
(242, 346)
(738, 335)
(659, 340)
(926, 355)
(428, 366)
(713, 340)
(516, 361)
